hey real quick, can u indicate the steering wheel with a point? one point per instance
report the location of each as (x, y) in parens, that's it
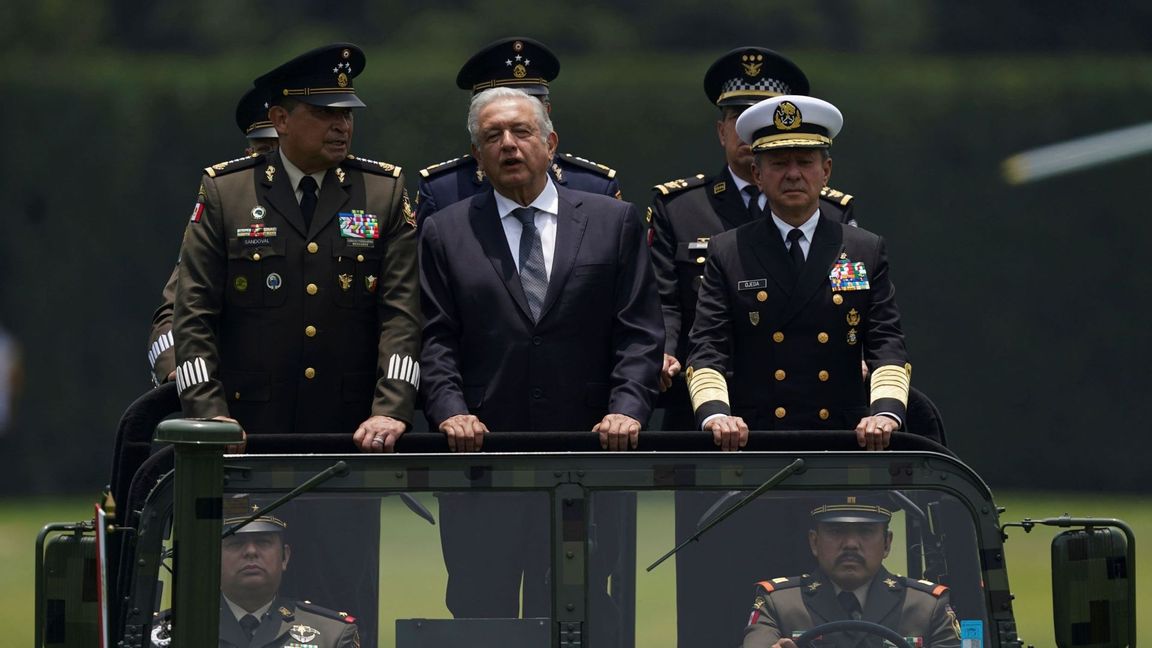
(805, 640)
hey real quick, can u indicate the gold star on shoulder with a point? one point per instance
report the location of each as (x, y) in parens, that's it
(814, 586)
(890, 583)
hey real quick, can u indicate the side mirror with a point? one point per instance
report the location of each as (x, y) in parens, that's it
(1094, 584)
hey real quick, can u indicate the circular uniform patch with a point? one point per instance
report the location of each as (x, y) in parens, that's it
(273, 281)
(240, 283)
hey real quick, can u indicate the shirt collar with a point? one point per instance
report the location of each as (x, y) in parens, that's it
(808, 227)
(548, 201)
(737, 180)
(240, 612)
(295, 174)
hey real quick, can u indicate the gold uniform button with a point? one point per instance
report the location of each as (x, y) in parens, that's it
(822, 338)
(309, 373)
(359, 257)
(236, 396)
(837, 299)
(762, 296)
(699, 260)
(823, 376)
(781, 412)
(780, 375)
(313, 248)
(256, 256)
(310, 331)
(777, 337)
(312, 289)
(824, 414)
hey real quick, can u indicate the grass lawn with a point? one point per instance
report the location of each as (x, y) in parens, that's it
(423, 576)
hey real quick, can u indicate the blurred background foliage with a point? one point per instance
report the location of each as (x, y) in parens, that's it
(1023, 305)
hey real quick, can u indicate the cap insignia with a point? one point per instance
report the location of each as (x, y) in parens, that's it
(752, 64)
(270, 172)
(787, 116)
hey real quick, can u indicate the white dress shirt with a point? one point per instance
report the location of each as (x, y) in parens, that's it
(808, 228)
(547, 206)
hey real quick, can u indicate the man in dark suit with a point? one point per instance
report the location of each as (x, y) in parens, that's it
(297, 307)
(791, 303)
(541, 315)
(850, 540)
(528, 65)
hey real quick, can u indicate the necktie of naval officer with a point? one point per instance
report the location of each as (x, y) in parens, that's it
(794, 249)
(308, 199)
(533, 275)
(754, 210)
(851, 604)
(248, 622)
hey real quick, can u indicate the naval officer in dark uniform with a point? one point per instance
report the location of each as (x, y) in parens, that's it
(792, 302)
(850, 540)
(252, 119)
(297, 306)
(527, 65)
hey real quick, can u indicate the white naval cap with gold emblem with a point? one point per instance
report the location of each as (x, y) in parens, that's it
(789, 121)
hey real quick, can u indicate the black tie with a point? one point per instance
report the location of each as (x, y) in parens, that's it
(249, 622)
(533, 276)
(308, 200)
(850, 603)
(795, 251)
(754, 210)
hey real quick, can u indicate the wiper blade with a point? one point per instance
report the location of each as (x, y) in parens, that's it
(338, 469)
(773, 481)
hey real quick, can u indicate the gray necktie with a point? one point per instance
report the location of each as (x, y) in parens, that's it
(533, 276)
(249, 623)
(850, 603)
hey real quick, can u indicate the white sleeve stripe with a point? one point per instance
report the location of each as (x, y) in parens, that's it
(201, 370)
(162, 344)
(416, 375)
(192, 372)
(392, 365)
(405, 369)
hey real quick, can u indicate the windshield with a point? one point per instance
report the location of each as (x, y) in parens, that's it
(536, 550)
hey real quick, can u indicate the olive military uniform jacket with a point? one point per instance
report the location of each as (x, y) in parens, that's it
(685, 214)
(289, 329)
(786, 607)
(459, 178)
(784, 352)
(161, 355)
(284, 625)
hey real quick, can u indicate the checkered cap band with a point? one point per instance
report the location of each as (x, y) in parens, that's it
(739, 84)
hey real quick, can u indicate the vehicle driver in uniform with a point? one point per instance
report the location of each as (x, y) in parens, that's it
(850, 539)
(253, 613)
(527, 65)
(252, 119)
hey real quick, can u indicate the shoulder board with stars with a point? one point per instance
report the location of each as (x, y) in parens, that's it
(777, 584)
(446, 165)
(308, 606)
(240, 163)
(934, 589)
(672, 186)
(607, 172)
(836, 196)
(373, 166)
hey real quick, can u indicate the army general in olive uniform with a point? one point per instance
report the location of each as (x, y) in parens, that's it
(528, 65)
(297, 307)
(850, 539)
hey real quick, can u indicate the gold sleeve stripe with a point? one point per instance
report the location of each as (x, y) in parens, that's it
(707, 385)
(891, 381)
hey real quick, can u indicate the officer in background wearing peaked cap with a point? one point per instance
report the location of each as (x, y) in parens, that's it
(849, 538)
(252, 119)
(253, 611)
(528, 65)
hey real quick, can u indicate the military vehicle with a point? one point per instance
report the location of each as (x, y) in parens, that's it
(146, 570)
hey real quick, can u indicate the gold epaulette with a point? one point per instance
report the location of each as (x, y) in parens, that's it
(596, 167)
(446, 165)
(672, 186)
(836, 196)
(374, 166)
(240, 163)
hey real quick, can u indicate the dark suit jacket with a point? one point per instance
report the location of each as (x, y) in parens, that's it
(791, 349)
(788, 606)
(597, 347)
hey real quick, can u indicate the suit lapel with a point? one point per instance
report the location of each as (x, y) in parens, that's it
(768, 248)
(486, 227)
(334, 194)
(230, 630)
(825, 248)
(278, 193)
(570, 225)
(883, 599)
(822, 604)
(727, 201)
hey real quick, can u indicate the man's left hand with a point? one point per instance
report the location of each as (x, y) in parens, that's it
(618, 432)
(378, 434)
(874, 432)
(668, 372)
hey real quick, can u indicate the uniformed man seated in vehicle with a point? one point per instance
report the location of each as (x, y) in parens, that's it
(252, 611)
(850, 539)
